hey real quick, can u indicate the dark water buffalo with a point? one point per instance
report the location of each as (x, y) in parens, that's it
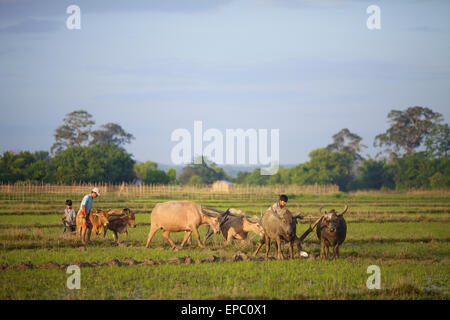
(280, 226)
(331, 231)
(176, 216)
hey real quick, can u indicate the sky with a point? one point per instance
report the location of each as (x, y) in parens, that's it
(308, 68)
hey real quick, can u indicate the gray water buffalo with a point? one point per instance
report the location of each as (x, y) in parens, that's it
(280, 226)
(237, 226)
(331, 231)
(177, 216)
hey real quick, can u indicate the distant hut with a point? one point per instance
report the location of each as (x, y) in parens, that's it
(223, 186)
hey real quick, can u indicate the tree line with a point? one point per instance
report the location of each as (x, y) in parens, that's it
(414, 154)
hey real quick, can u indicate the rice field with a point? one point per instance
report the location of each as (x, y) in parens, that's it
(406, 235)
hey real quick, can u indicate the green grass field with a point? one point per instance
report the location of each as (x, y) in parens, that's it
(407, 236)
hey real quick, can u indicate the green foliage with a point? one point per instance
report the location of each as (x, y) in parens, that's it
(140, 169)
(439, 181)
(149, 173)
(111, 133)
(24, 165)
(353, 145)
(241, 176)
(156, 176)
(195, 180)
(408, 129)
(420, 172)
(438, 142)
(104, 162)
(207, 171)
(325, 167)
(101, 159)
(37, 171)
(74, 132)
(256, 178)
(283, 176)
(172, 175)
(374, 175)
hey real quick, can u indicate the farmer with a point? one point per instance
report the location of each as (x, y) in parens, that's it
(280, 204)
(69, 217)
(85, 209)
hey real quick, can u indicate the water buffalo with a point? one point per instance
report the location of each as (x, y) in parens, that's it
(331, 231)
(237, 226)
(279, 226)
(176, 216)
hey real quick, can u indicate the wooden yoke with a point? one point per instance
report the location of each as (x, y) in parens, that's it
(311, 227)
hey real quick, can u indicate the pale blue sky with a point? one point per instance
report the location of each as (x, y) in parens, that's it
(309, 68)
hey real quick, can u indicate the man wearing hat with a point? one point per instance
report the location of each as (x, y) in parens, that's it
(85, 209)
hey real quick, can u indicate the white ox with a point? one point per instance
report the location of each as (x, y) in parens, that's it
(177, 216)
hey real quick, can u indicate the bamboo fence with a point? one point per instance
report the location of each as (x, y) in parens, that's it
(131, 190)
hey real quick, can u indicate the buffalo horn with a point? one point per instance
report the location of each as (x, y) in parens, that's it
(209, 233)
(210, 214)
(227, 212)
(343, 211)
(251, 220)
(297, 215)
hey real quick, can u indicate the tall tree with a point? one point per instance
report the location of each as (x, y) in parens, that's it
(349, 142)
(111, 132)
(325, 167)
(438, 141)
(74, 132)
(408, 129)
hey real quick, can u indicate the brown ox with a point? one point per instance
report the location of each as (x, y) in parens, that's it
(97, 219)
(176, 216)
(119, 221)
